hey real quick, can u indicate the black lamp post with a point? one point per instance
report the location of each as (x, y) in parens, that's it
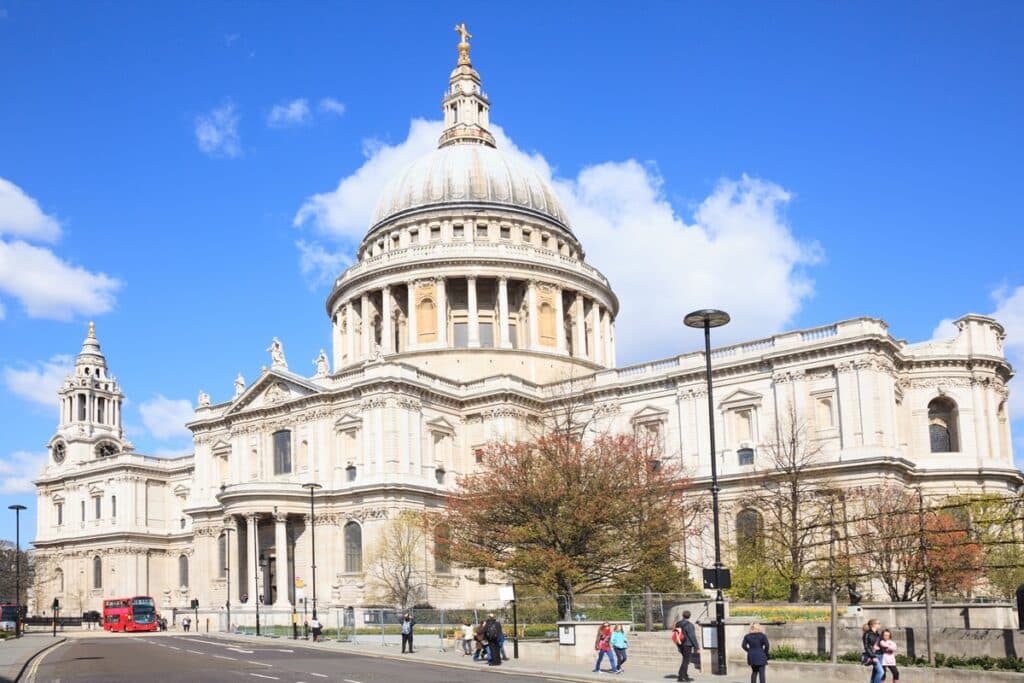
(706, 319)
(17, 566)
(256, 568)
(227, 570)
(312, 535)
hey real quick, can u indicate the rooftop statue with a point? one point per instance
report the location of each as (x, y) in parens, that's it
(277, 354)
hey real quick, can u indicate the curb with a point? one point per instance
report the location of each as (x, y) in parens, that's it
(35, 656)
(539, 673)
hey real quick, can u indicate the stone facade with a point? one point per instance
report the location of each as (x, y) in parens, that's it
(470, 313)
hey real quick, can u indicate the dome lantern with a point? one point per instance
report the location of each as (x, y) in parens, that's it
(464, 105)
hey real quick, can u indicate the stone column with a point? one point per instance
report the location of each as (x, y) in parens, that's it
(595, 332)
(281, 560)
(410, 317)
(350, 331)
(339, 341)
(442, 314)
(234, 558)
(253, 541)
(581, 327)
(559, 321)
(503, 338)
(606, 324)
(365, 313)
(531, 302)
(610, 361)
(474, 315)
(386, 334)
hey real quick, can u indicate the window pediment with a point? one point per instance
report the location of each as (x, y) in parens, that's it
(348, 422)
(649, 413)
(442, 425)
(741, 398)
(221, 448)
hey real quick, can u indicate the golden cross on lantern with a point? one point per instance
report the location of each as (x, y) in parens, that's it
(463, 32)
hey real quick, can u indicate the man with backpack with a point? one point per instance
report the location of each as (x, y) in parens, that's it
(492, 632)
(684, 635)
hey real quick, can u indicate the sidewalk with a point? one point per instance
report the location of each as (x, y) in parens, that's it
(428, 650)
(16, 653)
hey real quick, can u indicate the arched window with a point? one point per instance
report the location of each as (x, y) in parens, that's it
(442, 549)
(222, 555)
(97, 572)
(182, 570)
(942, 426)
(749, 536)
(58, 578)
(353, 548)
(426, 320)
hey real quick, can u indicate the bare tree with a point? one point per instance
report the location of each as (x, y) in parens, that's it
(396, 562)
(787, 493)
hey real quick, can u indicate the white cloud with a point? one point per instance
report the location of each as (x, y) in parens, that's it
(39, 382)
(165, 418)
(319, 265)
(172, 452)
(49, 287)
(1010, 313)
(330, 105)
(18, 470)
(737, 253)
(217, 132)
(21, 216)
(294, 113)
(345, 212)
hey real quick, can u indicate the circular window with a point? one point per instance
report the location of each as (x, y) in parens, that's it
(59, 451)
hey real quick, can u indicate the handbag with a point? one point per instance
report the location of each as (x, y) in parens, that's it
(866, 659)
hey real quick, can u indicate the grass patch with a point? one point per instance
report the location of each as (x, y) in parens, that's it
(768, 613)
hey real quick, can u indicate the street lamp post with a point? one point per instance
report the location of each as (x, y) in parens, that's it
(17, 567)
(227, 570)
(256, 568)
(312, 486)
(706, 319)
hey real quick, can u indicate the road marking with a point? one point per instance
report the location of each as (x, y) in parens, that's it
(195, 652)
(318, 675)
(349, 680)
(233, 659)
(238, 649)
(253, 661)
(173, 648)
(275, 678)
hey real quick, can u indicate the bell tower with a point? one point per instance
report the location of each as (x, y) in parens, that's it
(90, 410)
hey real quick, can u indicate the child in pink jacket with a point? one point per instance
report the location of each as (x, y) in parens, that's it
(888, 649)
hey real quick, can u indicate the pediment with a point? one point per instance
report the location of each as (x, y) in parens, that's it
(439, 424)
(347, 422)
(181, 490)
(272, 388)
(221, 447)
(741, 397)
(95, 490)
(649, 413)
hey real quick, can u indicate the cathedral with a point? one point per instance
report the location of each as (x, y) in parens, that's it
(470, 311)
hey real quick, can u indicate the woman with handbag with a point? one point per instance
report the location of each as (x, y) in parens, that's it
(872, 655)
(756, 645)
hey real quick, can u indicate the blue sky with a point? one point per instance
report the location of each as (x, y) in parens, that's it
(161, 163)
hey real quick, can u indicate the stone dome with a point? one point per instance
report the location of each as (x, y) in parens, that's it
(468, 174)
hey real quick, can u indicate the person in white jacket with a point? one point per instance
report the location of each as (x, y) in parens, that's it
(467, 637)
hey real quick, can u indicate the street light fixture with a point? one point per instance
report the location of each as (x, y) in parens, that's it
(706, 319)
(17, 566)
(312, 486)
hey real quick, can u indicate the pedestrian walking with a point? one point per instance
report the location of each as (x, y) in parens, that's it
(407, 623)
(493, 633)
(603, 647)
(756, 646)
(872, 655)
(685, 638)
(619, 645)
(467, 637)
(185, 623)
(888, 649)
(317, 628)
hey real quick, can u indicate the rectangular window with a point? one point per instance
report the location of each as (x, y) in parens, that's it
(481, 231)
(113, 507)
(513, 336)
(395, 241)
(99, 506)
(745, 456)
(81, 408)
(458, 231)
(283, 452)
(460, 335)
(101, 405)
(83, 510)
(435, 232)
(486, 335)
(60, 514)
(506, 232)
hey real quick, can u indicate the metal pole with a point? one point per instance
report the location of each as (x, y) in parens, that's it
(227, 569)
(928, 578)
(833, 655)
(312, 537)
(256, 568)
(719, 599)
(515, 624)
(17, 567)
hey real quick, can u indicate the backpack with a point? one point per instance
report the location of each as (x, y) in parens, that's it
(493, 631)
(678, 637)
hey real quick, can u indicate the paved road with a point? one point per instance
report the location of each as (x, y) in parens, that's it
(168, 659)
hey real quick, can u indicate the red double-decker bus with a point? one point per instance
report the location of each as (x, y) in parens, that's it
(129, 614)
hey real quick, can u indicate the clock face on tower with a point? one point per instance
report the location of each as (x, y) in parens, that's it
(59, 451)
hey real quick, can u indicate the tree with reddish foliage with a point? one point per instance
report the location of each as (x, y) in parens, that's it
(568, 514)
